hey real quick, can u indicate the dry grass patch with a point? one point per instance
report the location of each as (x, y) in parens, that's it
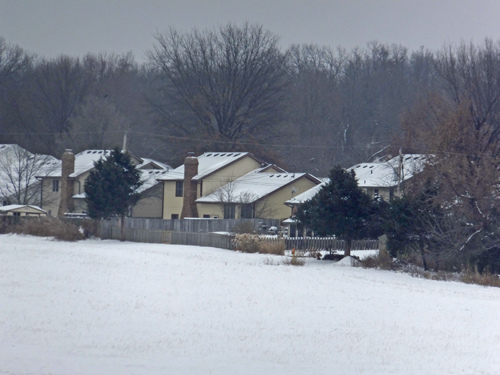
(383, 261)
(485, 279)
(49, 227)
(294, 261)
(252, 243)
(276, 247)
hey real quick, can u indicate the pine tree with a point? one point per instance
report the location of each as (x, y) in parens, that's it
(111, 187)
(340, 208)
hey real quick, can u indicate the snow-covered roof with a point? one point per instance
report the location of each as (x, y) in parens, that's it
(149, 177)
(306, 195)
(386, 174)
(208, 163)
(12, 207)
(252, 187)
(150, 163)
(382, 174)
(84, 161)
(19, 165)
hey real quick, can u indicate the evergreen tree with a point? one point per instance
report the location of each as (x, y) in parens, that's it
(111, 187)
(340, 208)
(404, 227)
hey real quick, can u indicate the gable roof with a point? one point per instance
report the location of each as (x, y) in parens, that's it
(208, 163)
(19, 165)
(153, 164)
(253, 186)
(386, 174)
(84, 162)
(149, 178)
(382, 174)
(308, 194)
(14, 207)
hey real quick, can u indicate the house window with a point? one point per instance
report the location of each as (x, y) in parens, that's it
(247, 211)
(55, 185)
(179, 187)
(174, 216)
(206, 216)
(229, 211)
(375, 193)
(16, 213)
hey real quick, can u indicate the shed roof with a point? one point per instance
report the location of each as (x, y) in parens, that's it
(15, 207)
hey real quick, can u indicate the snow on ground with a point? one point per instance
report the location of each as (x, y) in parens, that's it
(106, 307)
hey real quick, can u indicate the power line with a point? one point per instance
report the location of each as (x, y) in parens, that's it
(256, 144)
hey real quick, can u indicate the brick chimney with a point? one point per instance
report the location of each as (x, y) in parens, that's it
(66, 203)
(190, 170)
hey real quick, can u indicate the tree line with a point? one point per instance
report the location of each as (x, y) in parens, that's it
(224, 89)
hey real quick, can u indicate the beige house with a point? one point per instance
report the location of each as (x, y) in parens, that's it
(230, 185)
(22, 210)
(387, 179)
(258, 194)
(382, 179)
(19, 169)
(69, 181)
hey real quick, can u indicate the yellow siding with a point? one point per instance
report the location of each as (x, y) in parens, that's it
(80, 205)
(213, 210)
(150, 205)
(171, 203)
(50, 199)
(273, 206)
(230, 173)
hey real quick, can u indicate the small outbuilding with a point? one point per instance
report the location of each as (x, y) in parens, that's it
(21, 210)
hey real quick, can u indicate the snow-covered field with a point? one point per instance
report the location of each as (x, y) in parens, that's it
(105, 307)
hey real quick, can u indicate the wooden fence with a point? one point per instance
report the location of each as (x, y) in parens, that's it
(169, 231)
(203, 239)
(189, 225)
(199, 233)
(328, 243)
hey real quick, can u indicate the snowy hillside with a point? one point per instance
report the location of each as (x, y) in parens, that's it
(105, 307)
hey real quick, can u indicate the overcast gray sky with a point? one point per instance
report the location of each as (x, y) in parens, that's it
(75, 27)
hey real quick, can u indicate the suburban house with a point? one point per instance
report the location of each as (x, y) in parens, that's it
(380, 179)
(230, 185)
(19, 169)
(63, 189)
(387, 179)
(257, 194)
(21, 210)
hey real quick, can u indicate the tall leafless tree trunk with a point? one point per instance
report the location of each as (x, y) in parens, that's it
(225, 85)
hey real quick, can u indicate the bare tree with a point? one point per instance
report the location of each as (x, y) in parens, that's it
(19, 170)
(465, 176)
(470, 77)
(96, 124)
(229, 195)
(224, 85)
(12, 60)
